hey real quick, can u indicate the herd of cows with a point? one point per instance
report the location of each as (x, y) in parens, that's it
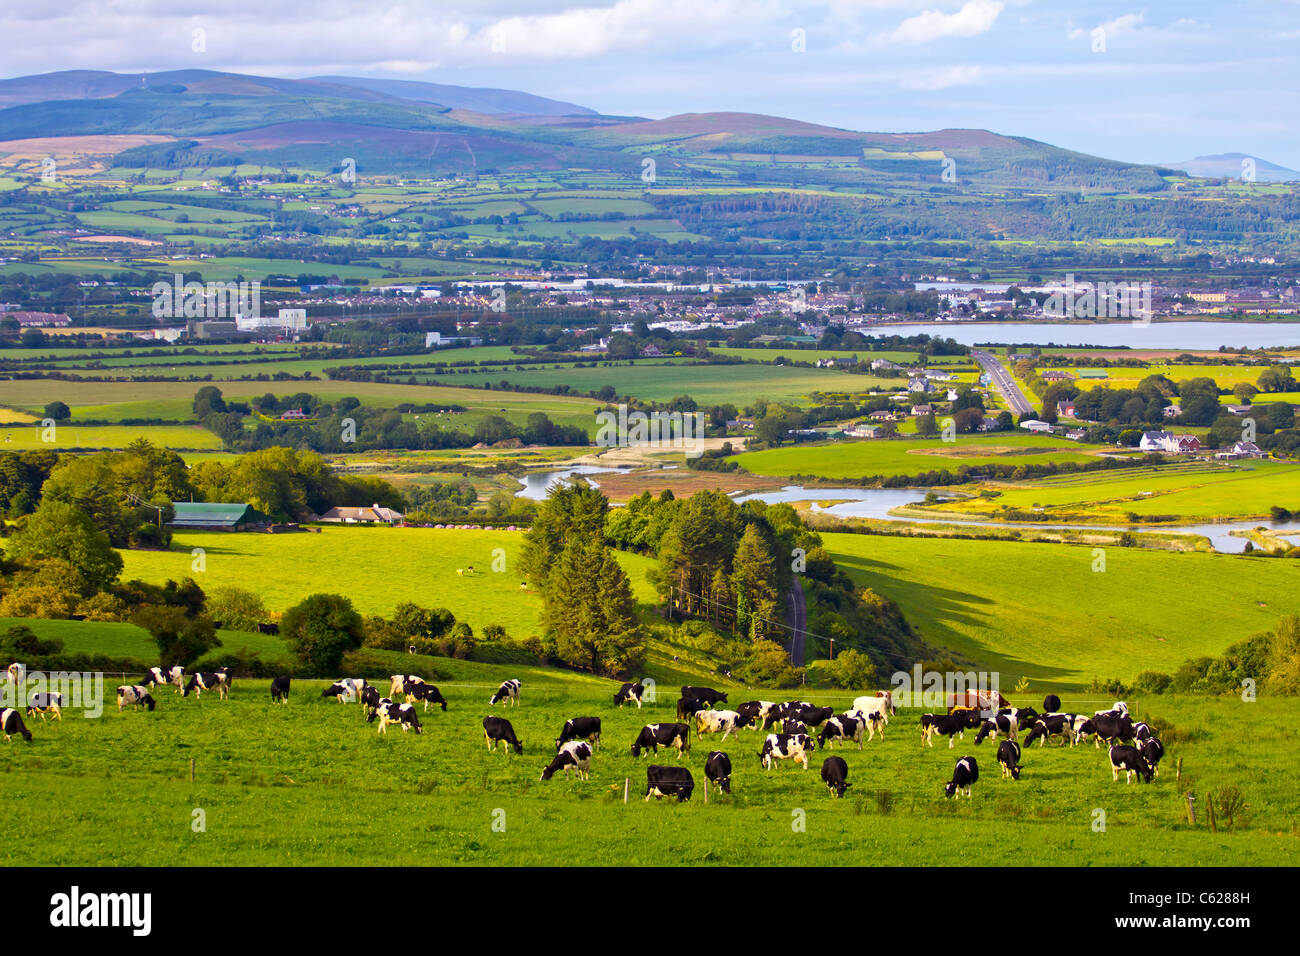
(1132, 746)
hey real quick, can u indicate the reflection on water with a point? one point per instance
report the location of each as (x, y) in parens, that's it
(538, 484)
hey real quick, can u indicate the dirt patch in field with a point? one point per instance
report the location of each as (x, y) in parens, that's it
(132, 239)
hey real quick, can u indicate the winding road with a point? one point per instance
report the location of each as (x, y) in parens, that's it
(1003, 382)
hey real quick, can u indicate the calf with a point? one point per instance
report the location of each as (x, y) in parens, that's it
(835, 773)
(499, 729)
(1130, 760)
(946, 725)
(785, 747)
(964, 774)
(706, 694)
(158, 676)
(654, 736)
(11, 722)
(717, 767)
(280, 690)
(631, 691)
(397, 684)
(668, 782)
(844, 727)
(574, 755)
(46, 702)
(579, 728)
(1051, 725)
(391, 713)
(134, 695)
(427, 693)
(508, 691)
(346, 689)
(1009, 759)
(1152, 752)
(717, 722)
(201, 682)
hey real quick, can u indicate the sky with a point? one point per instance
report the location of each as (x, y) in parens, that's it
(1151, 82)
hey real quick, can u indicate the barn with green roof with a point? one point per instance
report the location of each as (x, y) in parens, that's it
(217, 516)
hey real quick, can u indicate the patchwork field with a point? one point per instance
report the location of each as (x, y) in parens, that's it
(68, 435)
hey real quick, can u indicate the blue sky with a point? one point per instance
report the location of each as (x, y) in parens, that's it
(1147, 82)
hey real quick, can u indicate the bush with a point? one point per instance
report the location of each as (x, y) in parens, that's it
(853, 670)
(40, 600)
(235, 608)
(103, 607)
(1152, 682)
(181, 639)
(321, 629)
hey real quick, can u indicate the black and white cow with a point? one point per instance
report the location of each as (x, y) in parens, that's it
(688, 707)
(792, 726)
(964, 774)
(346, 689)
(1051, 725)
(945, 725)
(1153, 752)
(579, 728)
(1142, 731)
(499, 729)
(844, 727)
(1110, 727)
(835, 774)
(397, 683)
(717, 722)
(654, 736)
(630, 692)
(706, 694)
(427, 693)
(717, 768)
(999, 725)
(46, 702)
(200, 682)
(787, 711)
(158, 676)
(280, 690)
(1009, 759)
(882, 702)
(134, 695)
(370, 699)
(754, 712)
(785, 747)
(1077, 723)
(574, 755)
(11, 722)
(1130, 760)
(508, 691)
(668, 782)
(392, 713)
(811, 716)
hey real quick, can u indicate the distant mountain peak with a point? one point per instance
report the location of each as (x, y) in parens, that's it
(1234, 166)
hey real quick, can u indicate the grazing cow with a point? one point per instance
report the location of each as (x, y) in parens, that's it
(654, 736)
(964, 774)
(688, 707)
(844, 727)
(754, 712)
(1108, 727)
(200, 682)
(15, 672)
(718, 769)
(397, 683)
(134, 695)
(1077, 723)
(574, 755)
(1142, 731)
(157, 676)
(271, 628)
(706, 694)
(11, 722)
(1009, 759)
(46, 702)
(508, 691)
(866, 706)
(346, 689)
(835, 773)
(717, 721)
(946, 725)
(999, 725)
(631, 691)
(1051, 704)
(1025, 716)
(1051, 725)
(280, 690)
(1118, 708)
(499, 729)
(792, 726)
(785, 747)
(1130, 760)
(1152, 752)
(391, 713)
(783, 712)
(812, 716)
(427, 693)
(579, 728)
(977, 700)
(668, 782)
(371, 700)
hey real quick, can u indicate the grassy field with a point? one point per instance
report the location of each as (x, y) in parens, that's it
(69, 435)
(313, 783)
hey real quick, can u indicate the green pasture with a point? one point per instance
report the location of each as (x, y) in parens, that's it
(69, 435)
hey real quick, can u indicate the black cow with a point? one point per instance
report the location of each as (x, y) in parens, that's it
(964, 774)
(811, 716)
(508, 691)
(1142, 731)
(654, 736)
(707, 694)
(1110, 727)
(271, 628)
(631, 691)
(835, 773)
(792, 726)
(1051, 725)
(718, 769)
(280, 690)
(574, 755)
(580, 728)
(424, 692)
(200, 682)
(1051, 704)
(1009, 759)
(1130, 760)
(1153, 752)
(134, 695)
(946, 725)
(499, 729)
(688, 707)
(668, 782)
(46, 702)
(11, 722)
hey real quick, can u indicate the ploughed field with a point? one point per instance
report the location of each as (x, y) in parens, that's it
(313, 783)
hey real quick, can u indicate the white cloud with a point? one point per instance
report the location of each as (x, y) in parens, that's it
(942, 79)
(1121, 24)
(974, 18)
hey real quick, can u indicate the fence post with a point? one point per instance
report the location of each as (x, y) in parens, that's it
(191, 770)
(1191, 809)
(625, 781)
(1178, 775)
(1209, 811)
(706, 789)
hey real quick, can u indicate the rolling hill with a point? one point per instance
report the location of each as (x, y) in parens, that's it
(1230, 166)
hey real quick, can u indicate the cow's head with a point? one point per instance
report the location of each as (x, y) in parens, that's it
(148, 702)
(840, 787)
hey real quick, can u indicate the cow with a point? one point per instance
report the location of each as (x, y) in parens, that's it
(1109, 727)
(875, 725)
(498, 729)
(15, 673)
(1152, 752)
(270, 628)
(985, 700)
(631, 691)
(574, 755)
(999, 725)
(1077, 723)
(1142, 731)
(397, 683)
(785, 747)
(866, 706)
(46, 702)
(835, 773)
(706, 694)
(346, 689)
(134, 695)
(754, 712)
(784, 712)
(227, 677)
(1024, 716)
(668, 782)
(688, 707)
(158, 676)
(280, 690)
(11, 722)
(579, 728)
(370, 699)
(717, 721)
(654, 736)
(427, 693)
(844, 727)
(508, 691)
(813, 716)
(1009, 759)
(200, 682)
(1051, 704)
(964, 774)
(717, 767)
(946, 725)
(1130, 760)
(1051, 725)
(391, 713)
(792, 726)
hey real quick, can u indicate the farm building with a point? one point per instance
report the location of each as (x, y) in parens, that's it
(217, 516)
(1093, 373)
(373, 514)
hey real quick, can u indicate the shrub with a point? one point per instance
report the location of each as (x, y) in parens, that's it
(103, 607)
(181, 639)
(320, 629)
(40, 600)
(1152, 682)
(235, 608)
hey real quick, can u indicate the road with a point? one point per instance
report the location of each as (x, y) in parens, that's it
(1003, 382)
(797, 616)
